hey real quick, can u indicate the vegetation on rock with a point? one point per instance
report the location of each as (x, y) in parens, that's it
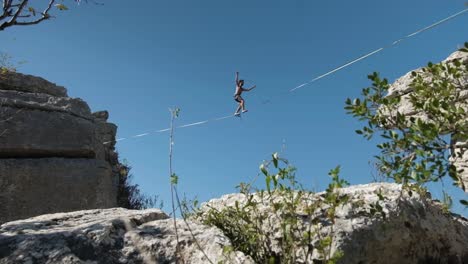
(418, 147)
(129, 195)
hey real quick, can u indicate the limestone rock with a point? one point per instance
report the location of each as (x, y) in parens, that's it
(416, 229)
(102, 115)
(30, 84)
(401, 87)
(111, 236)
(51, 143)
(39, 186)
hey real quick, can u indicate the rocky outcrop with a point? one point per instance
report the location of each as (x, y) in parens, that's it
(112, 236)
(30, 84)
(415, 230)
(52, 152)
(402, 88)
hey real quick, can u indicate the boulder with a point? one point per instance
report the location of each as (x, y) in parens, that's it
(112, 236)
(55, 154)
(30, 84)
(415, 229)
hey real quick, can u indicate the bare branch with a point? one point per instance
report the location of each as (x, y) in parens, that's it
(9, 10)
(18, 10)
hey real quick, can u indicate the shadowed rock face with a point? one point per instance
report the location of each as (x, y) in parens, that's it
(31, 84)
(52, 156)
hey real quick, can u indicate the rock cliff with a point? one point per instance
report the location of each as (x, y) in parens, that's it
(52, 156)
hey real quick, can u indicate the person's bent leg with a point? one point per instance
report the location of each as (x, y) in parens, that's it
(238, 109)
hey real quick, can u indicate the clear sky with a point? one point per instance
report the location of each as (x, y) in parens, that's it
(137, 60)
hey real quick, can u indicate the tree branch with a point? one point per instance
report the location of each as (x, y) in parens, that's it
(14, 16)
(8, 9)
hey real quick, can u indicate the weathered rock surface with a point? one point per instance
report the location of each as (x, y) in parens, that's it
(48, 184)
(30, 84)
(401, 87)
(416, 229)
(52, 144)
(111, 236)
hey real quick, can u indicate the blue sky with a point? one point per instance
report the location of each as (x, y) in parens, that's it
(138, 60)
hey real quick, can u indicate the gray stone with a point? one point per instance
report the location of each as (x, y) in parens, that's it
(33, 133)
(46, 103)
(38, 186)
(57, 146)
(112, 236)
(30, 84)
(416, 230)
(401, 87)
(101, 115)
(402, 84)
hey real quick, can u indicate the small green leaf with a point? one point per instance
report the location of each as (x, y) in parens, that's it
(32, 10)
(464, 202)
(271, 260)
(275, 159)
(174, 179)
(263, 169)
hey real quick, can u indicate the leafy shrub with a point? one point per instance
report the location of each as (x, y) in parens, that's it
(418, 146)
(129, 195)
(305, 220)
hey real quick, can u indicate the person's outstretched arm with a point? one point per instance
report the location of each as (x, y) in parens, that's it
(248, 89)
(237, 78)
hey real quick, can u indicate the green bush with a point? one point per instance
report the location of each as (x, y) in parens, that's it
(129, 195)
(283, 203)
(417, 148)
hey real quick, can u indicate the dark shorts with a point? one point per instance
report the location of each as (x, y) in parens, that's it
(238, 98)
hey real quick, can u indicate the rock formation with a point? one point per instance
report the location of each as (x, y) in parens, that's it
(416, 230)
(52, 156)
(111, 236)
(401, 87)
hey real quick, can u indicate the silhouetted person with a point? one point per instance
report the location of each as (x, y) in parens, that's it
(237, 95)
